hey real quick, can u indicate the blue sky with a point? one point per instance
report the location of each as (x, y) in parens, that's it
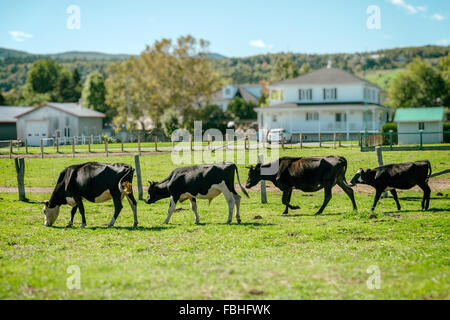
(234, 28)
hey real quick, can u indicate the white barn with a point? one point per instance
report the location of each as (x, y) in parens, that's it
(51, 120)
(324, 101)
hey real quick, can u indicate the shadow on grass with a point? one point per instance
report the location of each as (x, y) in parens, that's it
(420, 198)
(431, 210)
(155, 228)
(311, 215)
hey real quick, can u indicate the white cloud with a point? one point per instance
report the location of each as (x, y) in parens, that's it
(438, 17)
(408, 7)
(422, 9)
(260, 44)
(20, 36)
(443, 42)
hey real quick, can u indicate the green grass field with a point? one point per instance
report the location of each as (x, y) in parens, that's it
(299, 256)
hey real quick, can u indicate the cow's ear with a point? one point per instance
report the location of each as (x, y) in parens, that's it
(258, 165)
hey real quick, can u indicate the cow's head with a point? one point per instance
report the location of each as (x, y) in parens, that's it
(360, 177)
(50, 214)
(154, 193)
(254, 175)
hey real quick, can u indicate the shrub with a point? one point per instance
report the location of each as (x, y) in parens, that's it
(446, 135)
(385, 129)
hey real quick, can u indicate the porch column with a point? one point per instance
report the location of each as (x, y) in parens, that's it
(291, 121)
(347, 125)
(373, 118)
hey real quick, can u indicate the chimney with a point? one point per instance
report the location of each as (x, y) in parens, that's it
(330, 63)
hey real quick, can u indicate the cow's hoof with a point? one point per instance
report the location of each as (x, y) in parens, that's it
(83, 225)
(229, 221)
(317, 213)
(69, 225)
(373, 215)
(238, 220)
(294, 207)
(197, 222)
(285, 213)
(135, 225)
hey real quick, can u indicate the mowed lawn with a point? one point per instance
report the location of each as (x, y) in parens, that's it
(267, 256)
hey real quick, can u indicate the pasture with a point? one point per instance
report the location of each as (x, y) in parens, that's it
(267, 256)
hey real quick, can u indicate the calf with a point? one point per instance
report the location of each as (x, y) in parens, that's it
(95, 182)
(397, 176)
(198, 182)
(306, 174)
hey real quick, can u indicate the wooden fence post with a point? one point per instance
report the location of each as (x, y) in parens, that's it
(57, 144)
(89, 144)
(359, 139)
(320, 139)
(20, 171)
(139, 145)
(106, 147)
(10, 148)
(282, 141)
(340, 139)
(156, 143)
(301, 140)
(191, 142)
(73, 147)
(26, 145)
(121, 141)
(137, 165)
(42, 148)
(334, 140)
(263, 183)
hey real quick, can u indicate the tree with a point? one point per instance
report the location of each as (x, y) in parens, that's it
(43, 76)
(213, 117)
(306, 68)
(241, 109)
(285, 68)
(2, 99)
(170, 121)
(94, 95)
(165, 76)
(419, 85)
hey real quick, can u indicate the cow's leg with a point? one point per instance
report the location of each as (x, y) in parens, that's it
(133, 205)
(80, 206)
(378, 194)
(327, 198)
(117, 208)
(237, 200)
(194, 208)
(426, 195)
(286, 199)
(72, 214)
(173, 204)
(394, 194)
(349, 192)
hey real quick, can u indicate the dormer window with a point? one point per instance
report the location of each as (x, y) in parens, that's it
(227, 91)
(330, 94)
(305, 94)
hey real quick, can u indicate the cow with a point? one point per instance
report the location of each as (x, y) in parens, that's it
(95, 182)
(198, 182)
(397, 176)
(306, 174)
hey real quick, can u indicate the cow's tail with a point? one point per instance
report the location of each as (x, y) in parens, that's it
(429, 171)
(240, 185)
(344, 179)
(126, 188)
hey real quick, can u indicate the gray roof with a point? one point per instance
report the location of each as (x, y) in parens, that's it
(241, 91)
(8, 114)
(71, 108)
(326, 76)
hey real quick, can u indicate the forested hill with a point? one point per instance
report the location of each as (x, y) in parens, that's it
(14, 64)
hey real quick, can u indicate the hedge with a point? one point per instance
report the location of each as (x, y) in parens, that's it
(386, 128)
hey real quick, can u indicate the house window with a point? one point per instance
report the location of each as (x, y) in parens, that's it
(274, 118)
(330, 94)
(227, 91)
(305, 94)
(277, 95)
(312, 116)
(341, 117)
(421, 126)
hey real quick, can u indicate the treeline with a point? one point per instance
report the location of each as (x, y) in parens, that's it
(14, 65)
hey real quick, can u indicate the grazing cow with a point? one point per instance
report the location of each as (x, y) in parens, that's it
(397, 176)
(95, 182)
(198, 182)
(306, 174)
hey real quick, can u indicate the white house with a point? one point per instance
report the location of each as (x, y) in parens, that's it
(249, 92)
(52, 120)
(324, 101)
(410, 121)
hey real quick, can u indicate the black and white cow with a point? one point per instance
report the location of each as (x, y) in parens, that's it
(198, 182)
(95, 182)
(306, 174)
(397, 176)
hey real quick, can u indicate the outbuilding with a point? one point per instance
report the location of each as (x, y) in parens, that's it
(412, 121)
(51, 120)
(8, 130)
